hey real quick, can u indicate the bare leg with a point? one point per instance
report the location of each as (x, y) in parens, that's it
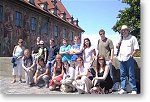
(14, 79)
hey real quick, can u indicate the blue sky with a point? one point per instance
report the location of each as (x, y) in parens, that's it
(94, 15)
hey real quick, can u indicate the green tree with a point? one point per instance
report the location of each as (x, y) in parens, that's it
(130, 16)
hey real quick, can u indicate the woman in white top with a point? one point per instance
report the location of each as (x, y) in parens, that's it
(17, 54)
(89, 54)
(82, 82)
(68, 78)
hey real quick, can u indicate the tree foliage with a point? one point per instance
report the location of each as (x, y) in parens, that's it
(131, 17)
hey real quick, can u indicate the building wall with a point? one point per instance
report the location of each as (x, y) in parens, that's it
(10, 33)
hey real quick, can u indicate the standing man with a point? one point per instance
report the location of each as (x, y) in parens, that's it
(53, 50)
(75, 51)
(128, 47)
(64, 51)
(105, 47)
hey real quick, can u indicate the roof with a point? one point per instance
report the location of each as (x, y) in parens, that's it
(60, 9)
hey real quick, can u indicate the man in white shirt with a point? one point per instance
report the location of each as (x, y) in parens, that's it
(128, 47)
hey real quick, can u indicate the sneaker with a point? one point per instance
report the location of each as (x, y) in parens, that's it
(46, 85)
(51, 88)
(13, 81)
(31, 85)
(122, 92)
(133, 92)
(20, 81)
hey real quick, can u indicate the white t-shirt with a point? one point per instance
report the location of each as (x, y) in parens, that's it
(127, 47)
(18, 51)
(87, 55)
(70, 72)
(81, 70)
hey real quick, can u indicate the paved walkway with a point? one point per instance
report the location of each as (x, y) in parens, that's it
(7, 87)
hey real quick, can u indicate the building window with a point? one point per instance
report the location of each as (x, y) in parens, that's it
(1, 13)
(71, 36)
(56, 31)
(33, 23)
(79, 34)
(54, 2)
(64, 33)
(55, 12)
(44, 29)
(32, 2)
(18, 19)
(45, 6)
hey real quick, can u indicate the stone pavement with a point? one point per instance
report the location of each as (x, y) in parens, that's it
(7, 87)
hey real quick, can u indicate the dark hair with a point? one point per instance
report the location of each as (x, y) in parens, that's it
(98, 65)
(65, 39)
(102, 30)
(78, 37)
(64, 67)
(52, 40)
(40, 59)
(84, 45)
(79, 57)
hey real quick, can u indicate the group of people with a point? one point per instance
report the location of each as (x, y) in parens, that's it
(69, 68)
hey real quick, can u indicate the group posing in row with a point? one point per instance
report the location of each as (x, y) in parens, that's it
(70, 68)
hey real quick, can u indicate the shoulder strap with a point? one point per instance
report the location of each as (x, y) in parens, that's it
(15, 49)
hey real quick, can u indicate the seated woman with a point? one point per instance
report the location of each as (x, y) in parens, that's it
(82, 80)
(68, 77)
(102, 81)
(28, 64)
(57, 73)
(42, 73)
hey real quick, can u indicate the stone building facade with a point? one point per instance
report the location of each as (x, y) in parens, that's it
(29, 19)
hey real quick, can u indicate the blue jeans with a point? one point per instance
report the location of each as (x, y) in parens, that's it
(49, 65)
(127, 69)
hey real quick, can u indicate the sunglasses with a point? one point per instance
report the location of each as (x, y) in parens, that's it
(20, 42)
(101, 34)
(100, 59)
